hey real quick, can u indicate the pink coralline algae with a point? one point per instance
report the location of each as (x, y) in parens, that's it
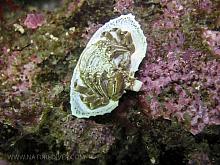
(199, 158)
(33, 21)
(212, 38)
(18, 102)
(171, 16)
(180, 81)
(74, 5)
(123, 5)
(71, 7)
(85, 138)
(205, 5)
(18, 72)
(20, 76)
(183, 87)
(89, 31)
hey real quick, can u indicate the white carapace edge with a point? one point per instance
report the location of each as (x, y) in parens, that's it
(125, 23)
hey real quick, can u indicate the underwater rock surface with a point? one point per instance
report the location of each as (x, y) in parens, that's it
(182, 80)
(174, 119)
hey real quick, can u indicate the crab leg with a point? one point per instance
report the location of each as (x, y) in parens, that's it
(115, 86)
(100, 78)
(82, 89)
(97, 103)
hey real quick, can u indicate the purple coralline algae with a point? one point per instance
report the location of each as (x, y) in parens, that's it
(199, 158)
(212, 38)
(122, 6)
(18, 74)
(180, 81)
(34, 20)
(87, 139)
(185, 88)
(23, 73)
(89, 31)
(73, 6)
(205, 5)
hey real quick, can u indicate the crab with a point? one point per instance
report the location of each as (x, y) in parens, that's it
(107, 66)
(104, 69)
